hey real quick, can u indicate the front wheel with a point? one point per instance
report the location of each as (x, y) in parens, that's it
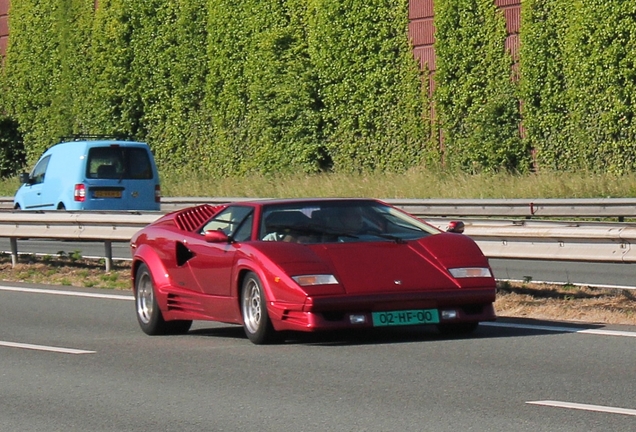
(258, 327)
(149, 315)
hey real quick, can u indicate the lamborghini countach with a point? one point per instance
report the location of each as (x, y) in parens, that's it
(306, 265)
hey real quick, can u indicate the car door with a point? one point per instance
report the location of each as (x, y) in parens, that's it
(212, 264)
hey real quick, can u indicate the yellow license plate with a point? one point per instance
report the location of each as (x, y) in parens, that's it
(107, 194)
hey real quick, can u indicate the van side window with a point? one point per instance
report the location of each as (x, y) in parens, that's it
(116, 162)
(37, 175)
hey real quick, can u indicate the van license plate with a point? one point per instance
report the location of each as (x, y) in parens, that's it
(107, 194)
(405, 317)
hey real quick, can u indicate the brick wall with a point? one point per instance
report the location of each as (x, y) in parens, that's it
(4, 26)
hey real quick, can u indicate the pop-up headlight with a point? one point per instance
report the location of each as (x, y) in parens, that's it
(470, 272)
(321, 279)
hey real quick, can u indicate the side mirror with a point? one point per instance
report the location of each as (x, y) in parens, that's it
(456, 227)
(216, 236)
(24, 178)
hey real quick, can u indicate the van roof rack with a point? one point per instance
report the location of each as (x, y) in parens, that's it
(86, 137)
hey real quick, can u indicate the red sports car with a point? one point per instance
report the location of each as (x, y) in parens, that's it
(306, 265)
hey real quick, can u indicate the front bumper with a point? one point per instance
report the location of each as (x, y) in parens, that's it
(345, 312)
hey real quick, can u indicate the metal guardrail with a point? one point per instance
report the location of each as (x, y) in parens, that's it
(105, 227)
(606, 208)
(545, 240)
(513, 239)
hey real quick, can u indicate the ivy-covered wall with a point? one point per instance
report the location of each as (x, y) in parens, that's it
(269, 86)
(578, 84)
(476, 98)
(225, 87)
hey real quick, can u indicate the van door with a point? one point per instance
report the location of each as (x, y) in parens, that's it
(31, 192)
(121, 177)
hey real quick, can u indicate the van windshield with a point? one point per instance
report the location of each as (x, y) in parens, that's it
(117, 162)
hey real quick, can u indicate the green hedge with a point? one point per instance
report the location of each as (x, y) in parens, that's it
(226, 87)
(12, 156)
(373, 119)
(579, 83)
(543, 84)
(476, 98)
(269, 86)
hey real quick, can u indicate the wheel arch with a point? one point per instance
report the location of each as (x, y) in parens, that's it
(240, 277)
(243, 270)
(144, 254)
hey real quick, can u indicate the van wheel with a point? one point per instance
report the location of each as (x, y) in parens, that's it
(17, 207)
(61, 206)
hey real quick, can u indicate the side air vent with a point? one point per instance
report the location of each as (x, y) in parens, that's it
(193, 218)
(183, 254)
(184, 304)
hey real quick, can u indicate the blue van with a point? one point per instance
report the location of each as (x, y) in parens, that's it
(92, 175)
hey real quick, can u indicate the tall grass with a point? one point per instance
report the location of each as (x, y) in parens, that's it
(418, 183)
(413, 184)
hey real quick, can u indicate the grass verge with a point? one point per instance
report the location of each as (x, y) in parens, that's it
(415, 183)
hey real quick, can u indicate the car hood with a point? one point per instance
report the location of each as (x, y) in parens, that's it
(385, 266)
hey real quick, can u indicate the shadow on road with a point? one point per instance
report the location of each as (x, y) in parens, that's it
(502, 328)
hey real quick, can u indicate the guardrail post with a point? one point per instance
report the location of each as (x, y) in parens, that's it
(14, 251)
(108, 254)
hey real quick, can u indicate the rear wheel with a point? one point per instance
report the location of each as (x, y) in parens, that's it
(149, 315)
(258, 327)
(457, 329)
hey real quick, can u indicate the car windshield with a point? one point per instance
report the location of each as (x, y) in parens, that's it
(340, 221)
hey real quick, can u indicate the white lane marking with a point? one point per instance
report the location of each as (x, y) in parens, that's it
(45, 348)
(584, 407)
(608, 332)
(67, 293)
(561, 329)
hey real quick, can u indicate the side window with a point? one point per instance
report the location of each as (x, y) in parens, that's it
(37, 175)
(235, 221)
(244, 232)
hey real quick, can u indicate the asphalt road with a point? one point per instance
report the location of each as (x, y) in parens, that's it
(599, 274)
(503, 378)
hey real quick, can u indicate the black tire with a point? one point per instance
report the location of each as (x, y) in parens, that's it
(457, 329)
(256, 323)
(61, 206)
(149, 315)
(17, 207)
